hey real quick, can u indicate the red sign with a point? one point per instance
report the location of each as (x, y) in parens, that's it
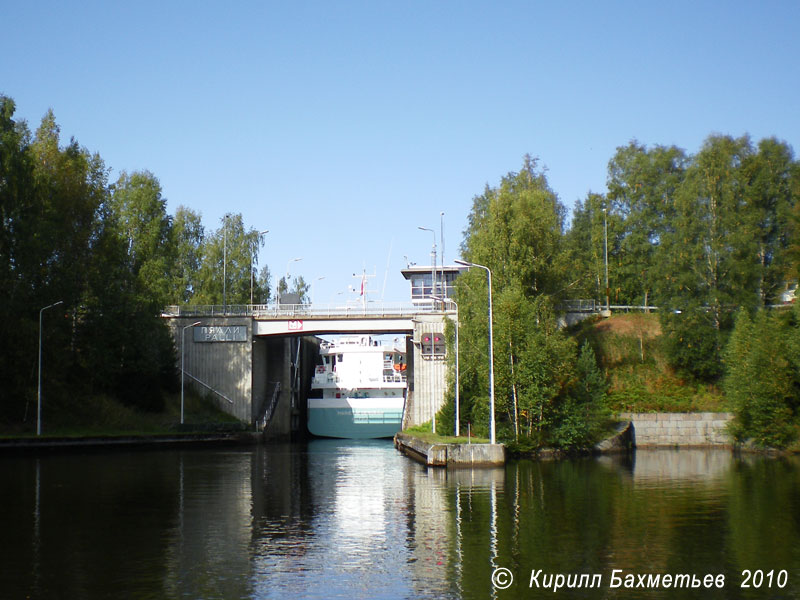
(295, 326)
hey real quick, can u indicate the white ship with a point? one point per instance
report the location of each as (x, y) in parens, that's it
(363, 387)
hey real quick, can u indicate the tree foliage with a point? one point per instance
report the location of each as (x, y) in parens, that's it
(517, 231)
(228, 269)
(762, 380)
(697, 236)
(114, 257)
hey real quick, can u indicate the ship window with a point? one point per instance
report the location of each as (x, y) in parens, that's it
(340, 357)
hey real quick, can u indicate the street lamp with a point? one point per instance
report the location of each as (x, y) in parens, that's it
(433, 260)
(260, 233)
(458, 384)
(183, 337)
(289, 262)
(312, 286)
(605, 251)
(39, 400)
(224, 265)
(491, 348)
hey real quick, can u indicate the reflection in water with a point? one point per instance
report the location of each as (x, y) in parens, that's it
(338, 519)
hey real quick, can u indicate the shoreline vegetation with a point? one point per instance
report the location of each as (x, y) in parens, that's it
(712, 239)
(106, 417)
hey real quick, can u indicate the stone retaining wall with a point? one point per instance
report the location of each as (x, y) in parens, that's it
(679, 429)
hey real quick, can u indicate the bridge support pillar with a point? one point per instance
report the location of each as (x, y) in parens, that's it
(426, 387)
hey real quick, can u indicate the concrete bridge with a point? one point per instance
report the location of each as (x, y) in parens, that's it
(258, 360)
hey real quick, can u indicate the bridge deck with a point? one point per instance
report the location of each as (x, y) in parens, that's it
(286, 312)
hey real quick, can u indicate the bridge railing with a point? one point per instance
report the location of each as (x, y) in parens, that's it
(288, 311)
(594, 306)
(588, 306)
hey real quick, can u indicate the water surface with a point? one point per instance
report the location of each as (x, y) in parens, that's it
(344, 519)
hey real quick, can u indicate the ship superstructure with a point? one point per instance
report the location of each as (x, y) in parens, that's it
(363, 387)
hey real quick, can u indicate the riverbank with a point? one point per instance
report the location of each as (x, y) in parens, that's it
(680, 431)
(630, 348)
(127, 441)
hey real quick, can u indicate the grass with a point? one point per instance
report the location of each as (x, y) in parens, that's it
(424, 433)
(103, 416)
(629, 349)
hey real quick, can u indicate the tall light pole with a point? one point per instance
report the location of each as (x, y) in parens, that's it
(442, 284)
(288, 263)
(258, 239)
(605, 251)
(433, 261)
(491, 348)
(39, 398)
(458, 381)
(433, 306)
(183, 337)
(224, 265)
(321, 277)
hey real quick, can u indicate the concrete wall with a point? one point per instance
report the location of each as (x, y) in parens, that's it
(427, 374)
(273, 366)
(679, 429)
(272, 362)
(225, 366)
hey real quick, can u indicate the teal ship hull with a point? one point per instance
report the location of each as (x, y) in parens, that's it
(355, 422)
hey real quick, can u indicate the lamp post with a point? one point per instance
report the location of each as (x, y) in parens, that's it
(183, 338)
(224, 266)
(433, 261)
(260, 233)
(288, 263)
(442, 283)
(321, 277)
(458, 381)
(491, 349)
(605, 252)
(39, 396)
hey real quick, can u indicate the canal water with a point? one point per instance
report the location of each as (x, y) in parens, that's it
(343, 519)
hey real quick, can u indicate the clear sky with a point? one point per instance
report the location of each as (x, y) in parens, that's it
(344, 126)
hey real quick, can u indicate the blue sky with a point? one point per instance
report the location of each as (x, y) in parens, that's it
(344, 126)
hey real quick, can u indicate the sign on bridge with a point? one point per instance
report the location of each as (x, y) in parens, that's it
(231, 333)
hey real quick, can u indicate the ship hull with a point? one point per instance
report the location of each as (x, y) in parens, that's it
(355, 418)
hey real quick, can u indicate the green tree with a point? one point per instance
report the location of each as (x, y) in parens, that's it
(188, 235)
(761, 381)
(585, 247)
(61, 239)
(20, 290)
(771, 193)
(517, 231)
(140, 214)
(263, 293)
(546, 371)
(642, 187)
(709, 257)
(228, 268)
(299, 287)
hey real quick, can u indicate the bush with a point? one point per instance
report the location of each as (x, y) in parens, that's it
(693, 346)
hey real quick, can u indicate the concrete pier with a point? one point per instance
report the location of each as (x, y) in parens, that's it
(450, 455)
